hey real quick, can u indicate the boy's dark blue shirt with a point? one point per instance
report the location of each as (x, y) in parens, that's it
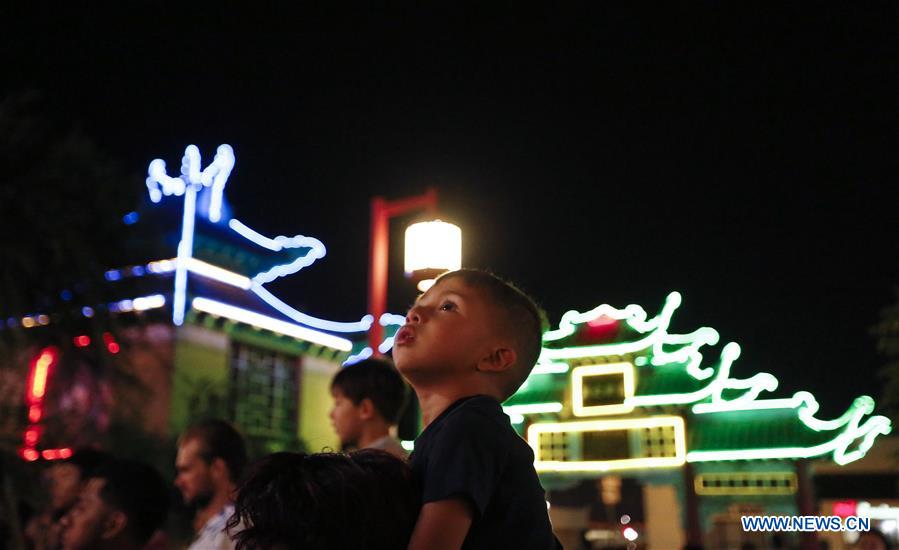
(471, 452)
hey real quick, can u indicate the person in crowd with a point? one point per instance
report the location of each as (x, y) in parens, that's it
(366, 499)
(66, 479)
(468, 344)
(210, 460)
(872, 540)
(368, 399)
(120, 507)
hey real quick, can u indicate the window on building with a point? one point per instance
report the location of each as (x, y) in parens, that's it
(264, 393)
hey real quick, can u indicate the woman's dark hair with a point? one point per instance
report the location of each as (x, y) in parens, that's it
(363, 500)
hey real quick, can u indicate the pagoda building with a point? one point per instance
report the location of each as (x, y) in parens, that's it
(620, 403)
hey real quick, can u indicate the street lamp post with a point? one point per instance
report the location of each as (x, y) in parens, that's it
(381, 212)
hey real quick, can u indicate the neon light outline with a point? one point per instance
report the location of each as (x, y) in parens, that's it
(533, 408)
(657, 336)
(216, 176)
(388, 319)
(185, 251)
(270, 323)
(577, 389)
(790, 489)
(550, 368)
(719, 380)
(365, 353)
(300, 317)
(676, 422)
(36, 389)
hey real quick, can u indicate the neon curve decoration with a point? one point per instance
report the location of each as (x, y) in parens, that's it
(194, 180)
(651, 345)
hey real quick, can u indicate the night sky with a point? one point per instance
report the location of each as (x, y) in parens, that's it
(746, 159)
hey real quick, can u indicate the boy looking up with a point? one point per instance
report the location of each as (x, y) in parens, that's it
(468, 343)
(368, 398)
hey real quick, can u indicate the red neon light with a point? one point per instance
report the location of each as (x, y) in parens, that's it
(38, 376)
(56, 454)
(82, 341)
(111, 344)
(845, 508)
(40, 372)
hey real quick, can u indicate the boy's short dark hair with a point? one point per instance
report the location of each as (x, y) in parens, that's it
(87, 460)
(367, 499)
(375, 379)
(137, 490)
(523, 319)
(219, 439)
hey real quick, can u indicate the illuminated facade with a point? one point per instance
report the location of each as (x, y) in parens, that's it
(200, 328)
(616, 394)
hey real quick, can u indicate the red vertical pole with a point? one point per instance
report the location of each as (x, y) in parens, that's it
(381, 212)
(377, 271)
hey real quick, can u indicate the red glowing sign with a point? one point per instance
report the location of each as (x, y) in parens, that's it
(36, 389)
(40, 372)
(845, 508)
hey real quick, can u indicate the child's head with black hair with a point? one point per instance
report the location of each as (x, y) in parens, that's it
(368, 399)
(67, 477)
(471, 331)
(366, 499)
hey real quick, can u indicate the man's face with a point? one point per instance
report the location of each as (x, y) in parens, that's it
(65, 485)
(346, 418)
(447, 331)
(193, 478)
(87, 523)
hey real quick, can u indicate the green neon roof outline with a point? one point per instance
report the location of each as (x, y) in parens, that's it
(709, 399)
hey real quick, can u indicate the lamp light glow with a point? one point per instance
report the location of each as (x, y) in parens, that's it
(434, 245)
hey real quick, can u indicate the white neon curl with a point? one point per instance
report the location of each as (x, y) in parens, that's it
(317, 250)
(388, 319)
(385, 346)
(300, 317)
(365, 353)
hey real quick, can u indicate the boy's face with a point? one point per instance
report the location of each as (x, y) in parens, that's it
(65, 484)
(346, 418)
(87, 523)
(447, 332)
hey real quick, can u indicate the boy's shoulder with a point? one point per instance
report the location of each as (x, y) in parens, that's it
(477, 409)
(479, 417)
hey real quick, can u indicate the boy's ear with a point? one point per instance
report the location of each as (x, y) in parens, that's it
(499, 360)
(114, 524)
(366, 409)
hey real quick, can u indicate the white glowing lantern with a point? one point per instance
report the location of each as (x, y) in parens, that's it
(432, 248)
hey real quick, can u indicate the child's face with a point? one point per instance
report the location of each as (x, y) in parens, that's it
(447, 332)
(346, 418)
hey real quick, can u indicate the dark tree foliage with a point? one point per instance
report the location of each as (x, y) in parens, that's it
(61, 206)
(887, 333)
